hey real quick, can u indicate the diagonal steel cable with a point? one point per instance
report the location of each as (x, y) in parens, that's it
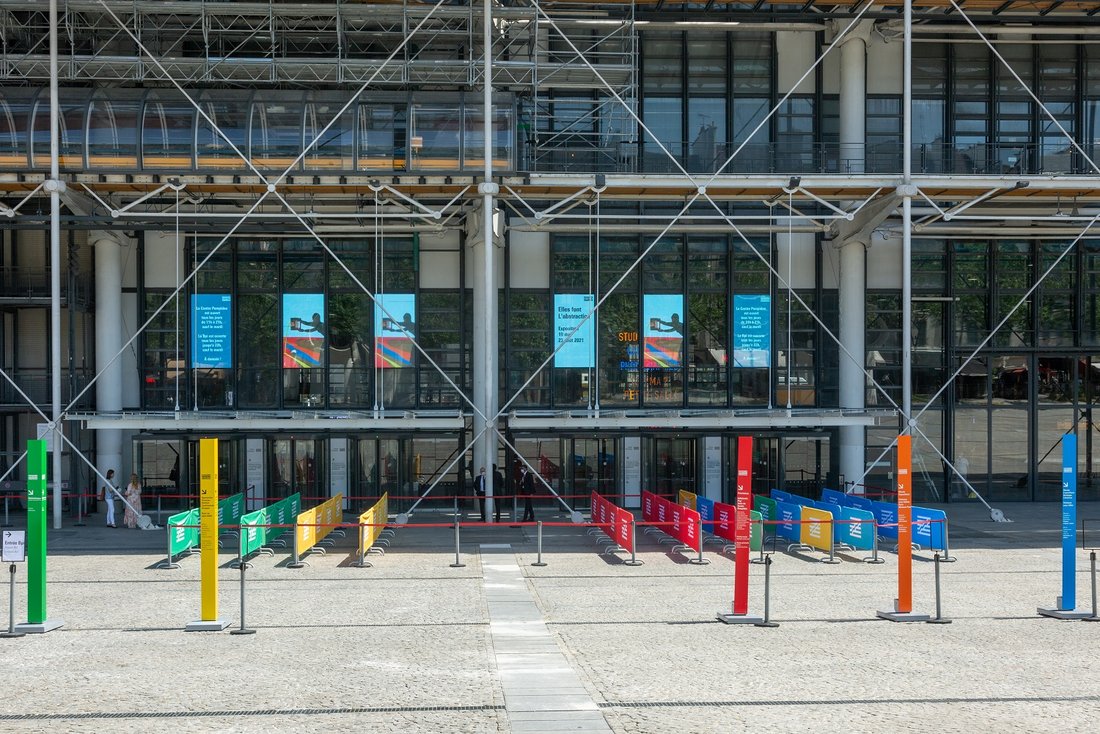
(170, 299)
(596, 307)
(355, 279)
(1026, 88)
(404, 42)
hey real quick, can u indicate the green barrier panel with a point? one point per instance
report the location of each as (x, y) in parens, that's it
(767, 508)
(182, 538)
(284, 512)
(253, 533)
(230, 509)
(756, 531)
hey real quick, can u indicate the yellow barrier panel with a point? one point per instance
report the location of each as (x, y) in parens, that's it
(372, 522)
(817, 528)
(686, 498)
(314, 524)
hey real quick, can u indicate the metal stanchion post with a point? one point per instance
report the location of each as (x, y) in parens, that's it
(79, 509)
(1092, 565)
(458, 559)
(767, 622)
(159, 515)
(539, 528)
(11, 608)
(947, 557)
(243, 630)
(633, 547)
(939, 610)
(874, 547)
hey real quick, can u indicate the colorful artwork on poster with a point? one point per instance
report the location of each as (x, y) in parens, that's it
(394, 330)
(663, 331)
(212, 330)
(570, 309)
(303, 330)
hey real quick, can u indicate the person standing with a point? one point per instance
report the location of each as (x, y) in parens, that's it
(527, 486)
(479, 488)
(133, 500)
(498, 489)
(107, 493)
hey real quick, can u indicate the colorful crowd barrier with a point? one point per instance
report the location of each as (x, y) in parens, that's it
(676, 521)
(371, 524)
(314, 525)
(613, 521)
(929, 526)
(183, 527)
(264, 526)
(183, 535)
(718, 518)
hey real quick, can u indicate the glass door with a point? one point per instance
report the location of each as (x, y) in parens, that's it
(672, 465)
(590, 466)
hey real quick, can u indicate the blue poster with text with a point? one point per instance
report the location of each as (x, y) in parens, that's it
(570, 309)
(752, 330)
(211, 330)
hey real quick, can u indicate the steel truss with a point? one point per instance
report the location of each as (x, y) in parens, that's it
(217, 44)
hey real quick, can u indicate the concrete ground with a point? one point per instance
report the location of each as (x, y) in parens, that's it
(584, 643)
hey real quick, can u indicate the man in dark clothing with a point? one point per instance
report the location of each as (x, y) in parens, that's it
(527, 488)
(498, 491)
(479, 488)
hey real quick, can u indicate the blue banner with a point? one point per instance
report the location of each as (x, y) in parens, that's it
(752, 331)
(886, 515)
(855, 527)
(928, 528)
(833, 497)
(705, 508)
(212, 330)
(792, 531)
(1069, 522)
(569, 310)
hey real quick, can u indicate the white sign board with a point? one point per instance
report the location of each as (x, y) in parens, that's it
(45, 433)
(14, 546)
(712, 467)
(254, 472)
(338, 468)
(632, 471)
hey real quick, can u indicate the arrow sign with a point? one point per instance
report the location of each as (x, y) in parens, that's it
(14, 547)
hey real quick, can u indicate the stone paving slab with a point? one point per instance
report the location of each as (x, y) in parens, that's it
(412, 645)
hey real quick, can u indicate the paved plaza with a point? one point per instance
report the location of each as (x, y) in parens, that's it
(585, 643)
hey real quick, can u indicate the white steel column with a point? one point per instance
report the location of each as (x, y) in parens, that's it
(907, 222)
(485, 359)
(53, 185)
(853, 98)
(108, 342)
(853, 253)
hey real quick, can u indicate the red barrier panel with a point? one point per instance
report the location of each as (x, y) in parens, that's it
(677, 521)
(624, 519)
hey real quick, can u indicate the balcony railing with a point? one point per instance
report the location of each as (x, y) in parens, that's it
(18, 281)
(36, 384)
(784, 158)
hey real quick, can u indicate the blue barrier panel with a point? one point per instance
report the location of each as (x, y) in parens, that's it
(834, 497)
(780, 496)
(928, 528)
(804, 501)
(860, 503)
(705, 508)
(857, 528)
(886, 514)
(789, 530)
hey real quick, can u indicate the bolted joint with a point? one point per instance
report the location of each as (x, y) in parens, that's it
(488, 188)
(54, 184)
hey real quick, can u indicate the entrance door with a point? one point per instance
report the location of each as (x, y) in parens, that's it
(590, 466)
(765, 466)
(228, 478)
(672, 465)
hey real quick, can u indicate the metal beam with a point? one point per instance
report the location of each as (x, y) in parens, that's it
(297, 421)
